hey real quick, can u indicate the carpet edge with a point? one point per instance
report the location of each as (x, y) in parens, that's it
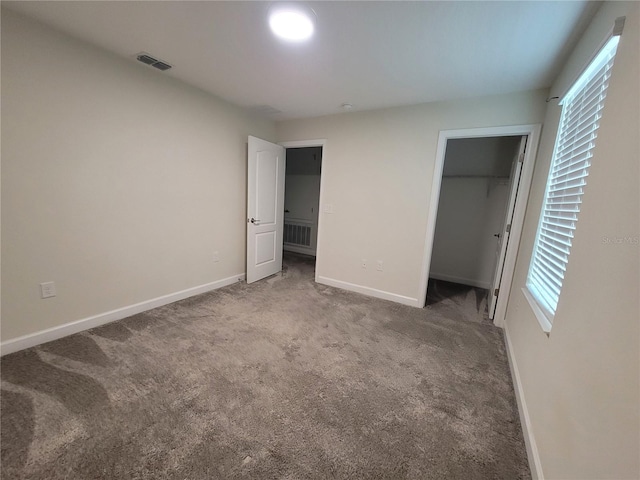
(64, 330)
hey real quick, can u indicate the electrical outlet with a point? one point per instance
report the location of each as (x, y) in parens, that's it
(364, 263)
(47, 290)
(379, 265)
(216, 256)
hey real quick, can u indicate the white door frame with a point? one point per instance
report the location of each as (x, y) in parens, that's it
(313, 143)
(533, 132)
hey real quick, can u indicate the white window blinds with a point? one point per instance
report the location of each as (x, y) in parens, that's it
(581, 112)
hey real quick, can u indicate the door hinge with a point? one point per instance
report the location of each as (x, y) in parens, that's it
(496, 291)
(521, 158)
(508, 228)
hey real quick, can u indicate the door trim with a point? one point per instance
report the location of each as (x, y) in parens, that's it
(314, 143)
(533, 132)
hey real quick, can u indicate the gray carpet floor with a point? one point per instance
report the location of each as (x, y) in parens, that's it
(281, 379)
(458, 302)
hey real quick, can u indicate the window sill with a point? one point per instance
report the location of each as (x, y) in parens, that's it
(543, 320)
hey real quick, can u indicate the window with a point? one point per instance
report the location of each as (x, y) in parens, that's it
(581, 113)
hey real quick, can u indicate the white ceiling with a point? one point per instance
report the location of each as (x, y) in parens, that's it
(370, 54)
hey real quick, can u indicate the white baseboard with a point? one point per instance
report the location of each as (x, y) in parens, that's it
(461, 280)
(54, 333)
(529, 440)
(371, 292)
(302, 250)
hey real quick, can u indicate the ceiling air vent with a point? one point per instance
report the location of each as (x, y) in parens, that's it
(154, 62)
(161, 66)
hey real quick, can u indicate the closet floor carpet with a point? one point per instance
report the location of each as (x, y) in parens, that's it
(284, 378)
(458, 302)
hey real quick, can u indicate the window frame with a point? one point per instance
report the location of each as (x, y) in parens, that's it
(541, 298)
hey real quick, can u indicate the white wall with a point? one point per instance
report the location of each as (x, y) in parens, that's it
(581, 383)
(481, 155)
(118, 182)
(377, 172)
(470, 212)
(302, 194)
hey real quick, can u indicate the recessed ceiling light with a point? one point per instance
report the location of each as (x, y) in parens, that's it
(347, 106)
(291, 22)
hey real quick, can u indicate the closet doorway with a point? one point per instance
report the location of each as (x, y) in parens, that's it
(480, 189)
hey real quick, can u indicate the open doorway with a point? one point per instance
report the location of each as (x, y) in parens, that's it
(478, 199)
(266, 222)
(302, 200)
(302, 232)
(477, 177)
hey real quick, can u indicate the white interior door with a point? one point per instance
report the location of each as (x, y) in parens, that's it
(503, 236)
(265, 208)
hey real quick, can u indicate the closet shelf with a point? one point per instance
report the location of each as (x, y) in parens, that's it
(477, 176)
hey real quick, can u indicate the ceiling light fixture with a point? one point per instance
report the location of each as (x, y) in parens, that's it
(292, 22)
(347, 107)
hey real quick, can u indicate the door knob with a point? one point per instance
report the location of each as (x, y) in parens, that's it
(497, 235)
(255, 221)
